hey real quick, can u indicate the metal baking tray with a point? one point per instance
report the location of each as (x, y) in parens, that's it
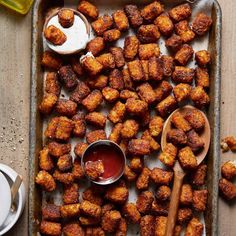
(40, 11)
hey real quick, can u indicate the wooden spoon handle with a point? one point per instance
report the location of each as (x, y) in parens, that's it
(174, 203)
(15, 187)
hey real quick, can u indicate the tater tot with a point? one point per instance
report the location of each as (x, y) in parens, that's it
(72, 229)
(64, 163)
(76, 66)
(80, 92)
(91, 65)
(90, 209)
(148, 33)
(200, 200)
(52, 85)
(71, 194)
(160, 225)
(51, 212)
(136, 164)
(129, 129)
(152, 10)
(135, 70)
(174, 42)
(77, 171)
(96, 118)
(46, 181)
(129, 175)
(117, 113)
(95, 46)
(228, 170)
(156, 126)
(116, 79)
(66, 18)
(166, 106)
(184, 215)
(115, 134)
(184, 31)
(203, 58)
(117, 194)
(142, 182)
(131, 46)
(107, 61)
(201, 24)
(102, 24)
(58, 149)
(121, 21)
(183, 74)
(227, 189)
(80, 126)
(131, 213)
(128, 83)
(186, 195)
(144, 202)
(94, 231)
(139, 147)
(63, 177)
(230, 143)
(136, 106)
(88, 9)
(196, 119)
(110, 221)
(54, 35)
(198, 177)
(155, 68)
(182, 92)
(145, 68)
(163, 193)
(168, 155)
(183, 56)
(154, 145)
(187, 158)
(202, 77)
(147, 224)
(94, 169)
(51, 60)
(122, 228)
(146, 93)
(66, 107)
(64, 129)
(126, 94)
(194, 227)
(70, 210)
(168, 65)
(161, 177)
(50, 228)
(68, 77)
(95, 135)
(163, 90)
(89, 221)
(149, 50)
(111, 35)
(99, 82)
(180, 123)
(45, 160)
(47, 104)
(200, 97)
(92, 196)
(195, 142)
(164, 23)
(117, 53)
(160, 208)
(93, 100)
(180, 12)
(134, 15)
(51, 127)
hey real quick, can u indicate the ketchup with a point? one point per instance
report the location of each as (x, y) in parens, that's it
(111, 157)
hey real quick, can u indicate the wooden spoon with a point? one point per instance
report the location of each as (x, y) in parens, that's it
(179, 173)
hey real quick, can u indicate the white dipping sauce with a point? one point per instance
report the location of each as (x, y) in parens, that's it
(77, 36)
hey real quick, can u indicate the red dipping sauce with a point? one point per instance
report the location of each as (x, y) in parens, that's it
(111, 156)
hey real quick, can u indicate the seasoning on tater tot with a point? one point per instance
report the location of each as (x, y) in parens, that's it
(81, 91)
(163, 90)
(93, 100)
(51, 212)
(180, 12)
(180, 123)
(139, 147)
(168, 156)
(201, 24)
(47, 104)
(196, 119)
(168, 65)
(95, 135)
(200, 97)
(131, 213)
(142, 182)
(51, 60)
(202, 77)
(194, 227)
(111, 35)
(136, 106)
(203, 58)
(88, 9)
(110, 221)
(135, 70)
(107, 60)
(45, 160)
(200, 200)
(187, 158)
(183, 74)
(66, 18)
(91, 65)
(121, 21)
(148, 33)
(117, 113)
(71, 193)
(131, 46)
(102, 24)
(183, 56)
(50, 228)
(161, 177)
(164, 23)
(54, 35)
(52, 84)
(149, 50)
(152, 10)
(59, 149)
(66, 107)
(144, 202)
(116, 79)
(95, 46)
(174, 42)
(154, 145)
(64, 163)
(146, 93)
(155, 68)
(46, 181)
(186, 195)
(115, 134)
(96, 118)
(184, 31)
(166, 106)
(194, 141)
(134, 15)
(147, 224)
(80, 148)
(182, 92)
(227, 189)
(117, 53)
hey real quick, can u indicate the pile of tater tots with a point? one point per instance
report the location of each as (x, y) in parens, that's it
(141, 88)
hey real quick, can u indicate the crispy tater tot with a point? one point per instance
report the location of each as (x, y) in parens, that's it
(52, 84)
(122, 228)
(174, 42)
(198, 177)
(160, 225)
(180, 123)
(163, 90)
(131, 213)
(195, 142)
(129, 175)
(46, 181)
(50, 228)
(144, 64)
(94, 231)
(187, 158)
(182, 92)
(147, 224)
(131, 46)
(107, 207)
(161, 177)
(58, 149)
(63, 177)
(164, 23)
(51, 212)
(94, 169)
(107, 61)
(146, 93)
(117, 113)
(202, 77)
(115, 134)
(88, 9)
(80, 92)
(54, 35)
(152, 10)
(136, 164)
(76, 66)
(184, 215)
(129, 129)
(121, 21)
(149, 50)
(47, 104)
(229, 143)
(68, 77)
(156, 126)
(92, 65)
(155, 68)
(194, 227)
(95, 135)
(200, 97)
(166, 106)
(117, 194)
(89, 221)
(51, 127)
(203, 58)
(96, 118)
(134, 15)
(184, 31)
(144, 202)
(66, 18)
(183, 74)
(77, 171)
(70, 210)
(163, 193)
(200, 200)
(142, 182)
(111, 35)
(117, 53)
(160, 208)
(102, 24)
(186, 195)
(201, 24)
(136, 106)
(126, 94)
(183, 56)
(64, 163)
(180, 12)
(196, 119)
(90, 209)
(116, 79)
(99, 82)
(96, 45)
(51, 60)
(93, 100)
(92, 196)
(71, 194)
(228, 170)
(227, 189)
(128, 83)
(45, 160)
(135, 70)
(154, 145)
(66, 107)
(148, 33)
(110, 221)
(72, 229)
(80, 126)
(168, 155)
(168, 65)
(139, 147)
